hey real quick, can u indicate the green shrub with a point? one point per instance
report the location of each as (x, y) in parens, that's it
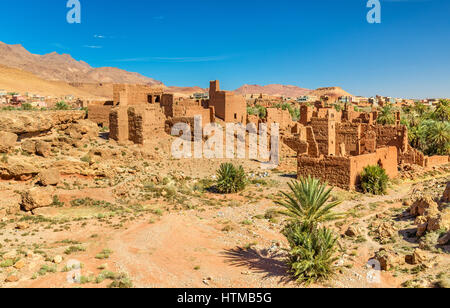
(230, 179)
(62, 106)
(312, 252)
(27, 106)
(374, 180)
(309, 202)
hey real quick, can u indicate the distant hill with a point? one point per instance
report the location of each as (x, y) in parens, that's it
(184, 91)
(16, 80)
(332, 92)
(273, 90)
(62, 67)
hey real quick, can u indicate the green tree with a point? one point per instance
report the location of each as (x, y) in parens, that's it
(442, 111)
(439, 135)
(386, 116)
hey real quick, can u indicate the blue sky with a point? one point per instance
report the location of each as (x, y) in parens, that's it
(308, 43)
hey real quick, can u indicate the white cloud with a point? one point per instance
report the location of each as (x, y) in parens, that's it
(92, 46)
(175, 59)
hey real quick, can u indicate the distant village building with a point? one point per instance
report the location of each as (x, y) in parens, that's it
(204, 95)
(345, 99)
(307, 98)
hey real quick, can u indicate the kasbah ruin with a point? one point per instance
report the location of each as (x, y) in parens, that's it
(90, 195)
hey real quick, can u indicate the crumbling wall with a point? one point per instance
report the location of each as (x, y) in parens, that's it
(384, 157)
(167, 102)
(145, 122)
(313, 146)
(349, 134)
(345, 172)
(325, 135)
(306, 113)
(412, 156)
(98, 112)
(431, 161)
(118, 124)
(332, 169)
(131, 95)
(390, 135)
(282, 117)
(228, 106)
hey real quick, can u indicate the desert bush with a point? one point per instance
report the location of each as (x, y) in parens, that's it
(309, 202)
(258, 110)
(230, 179)
(27, 106)
(312, 252)
(62, 106)
(374, 180)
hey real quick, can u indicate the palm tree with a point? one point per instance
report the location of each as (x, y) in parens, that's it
(386, 116)
(440, 137)
(442, 111)
(308, 202)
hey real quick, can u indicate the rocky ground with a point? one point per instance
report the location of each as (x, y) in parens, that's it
(79, 210)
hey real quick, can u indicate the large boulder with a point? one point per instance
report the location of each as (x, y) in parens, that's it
(29, 122)
(49, 177)
(421, 257)
(43, 148)
(29, 146)
(83, 129)
(439, 220)
(7, 141)
(21, 171)
(36, 197)
(388, 259)
(423, 203)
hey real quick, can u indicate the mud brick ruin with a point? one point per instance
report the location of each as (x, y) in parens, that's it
(228, 106)
(139, 113)
(337, 146)
(330, 145)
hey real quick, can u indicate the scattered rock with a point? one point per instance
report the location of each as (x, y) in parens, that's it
(384, 230)
(388, 259)
(57, 259)
(49, 177)
(22, 225)
(28, 146)
(20, 264)
(445, 239)
(21, 171)
(420, 257)
(423, 203)
(43, 148)
(36, 197)
(7, 141)
(12, 278)
(353, 231)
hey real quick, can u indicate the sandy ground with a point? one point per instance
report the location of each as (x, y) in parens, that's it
(171, 235)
